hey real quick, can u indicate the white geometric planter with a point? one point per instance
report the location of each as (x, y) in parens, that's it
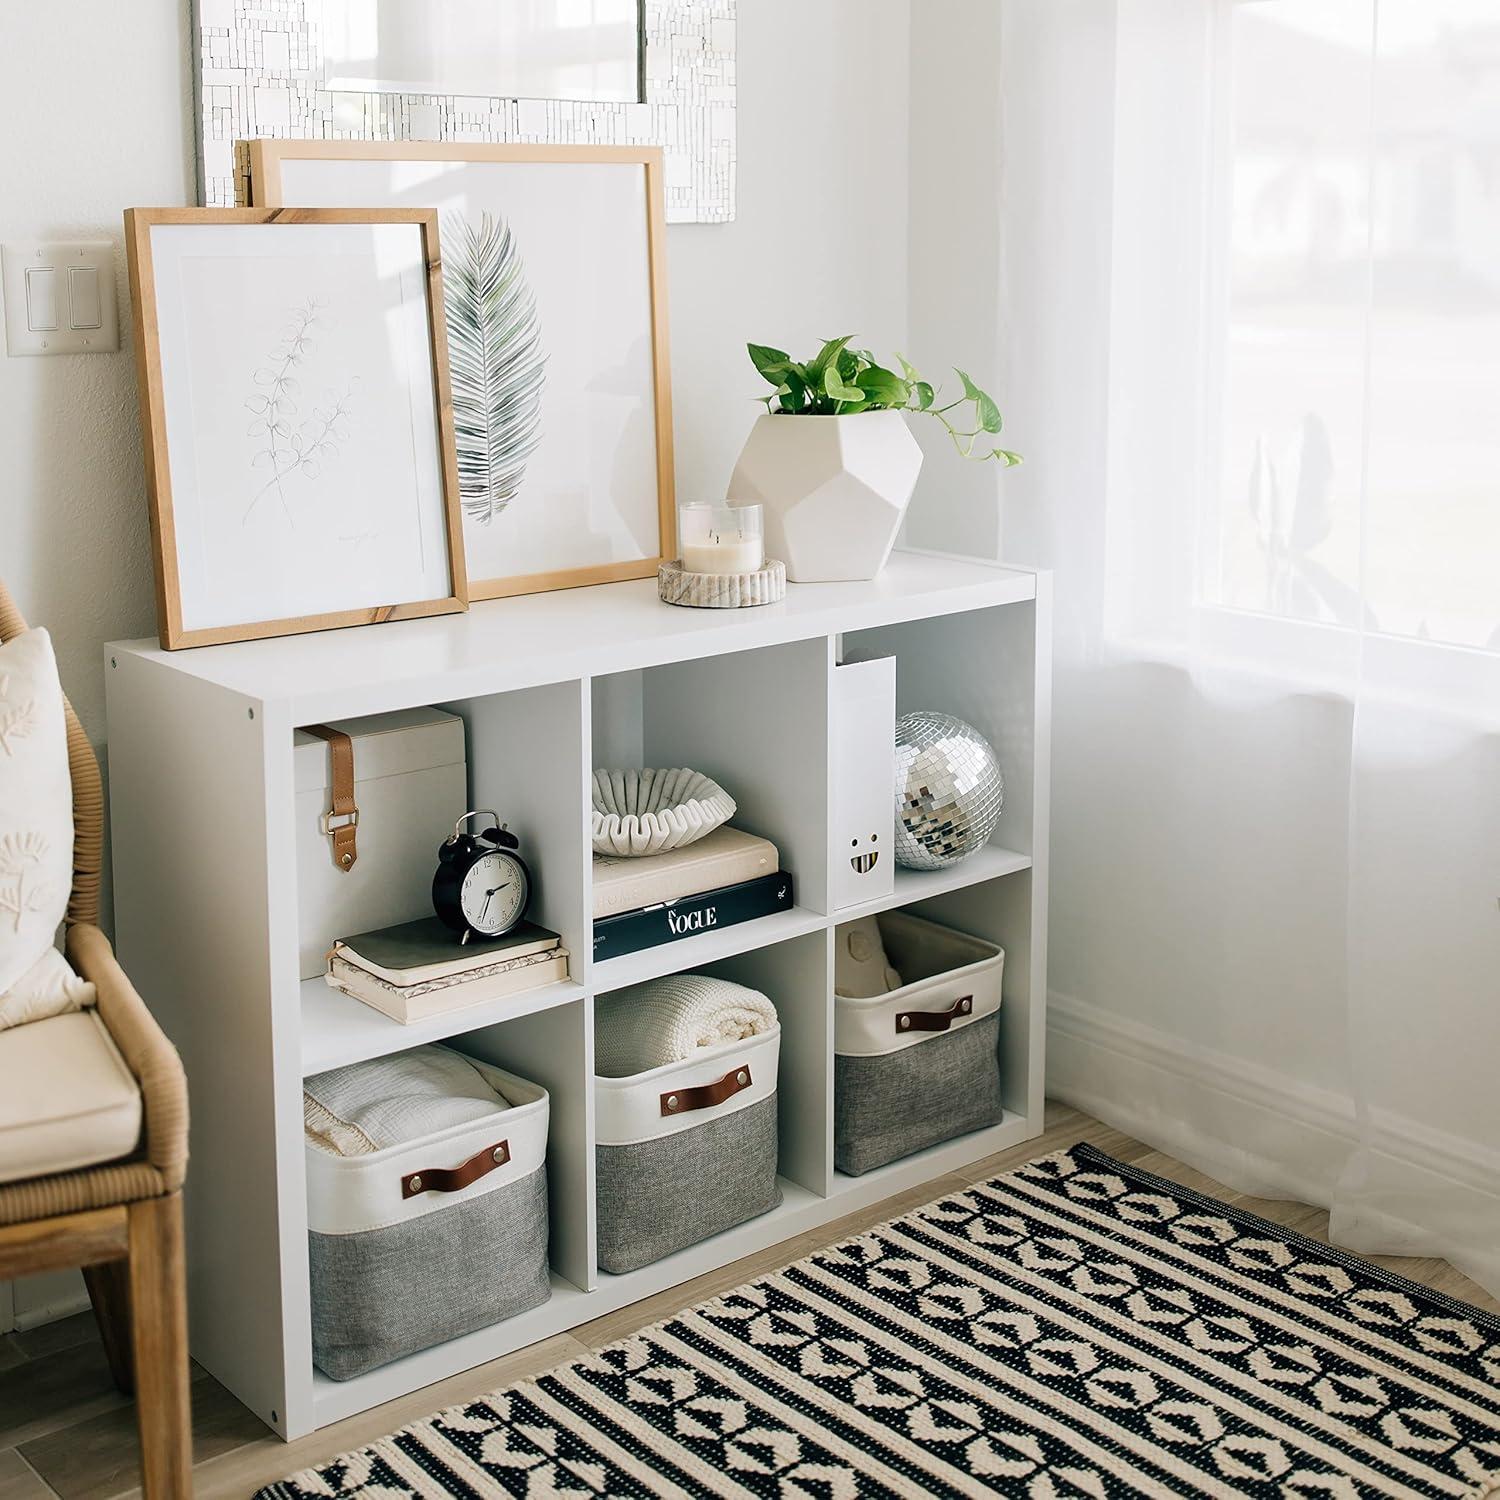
(834, 490)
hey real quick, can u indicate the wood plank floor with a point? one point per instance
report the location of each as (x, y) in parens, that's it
(65, 1431)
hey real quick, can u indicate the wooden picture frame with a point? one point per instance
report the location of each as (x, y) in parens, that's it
(177, 618)
(436, 175)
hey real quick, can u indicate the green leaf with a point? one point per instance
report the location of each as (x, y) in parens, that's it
(833, 384)
(911, 375)
(770, 362)
(984, 406)
(925, 395)
(828, 352)
(883, 388)
(793, 390)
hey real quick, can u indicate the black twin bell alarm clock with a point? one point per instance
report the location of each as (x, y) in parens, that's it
(482, 886)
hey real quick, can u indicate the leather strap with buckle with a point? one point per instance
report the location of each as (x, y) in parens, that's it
(342, 817)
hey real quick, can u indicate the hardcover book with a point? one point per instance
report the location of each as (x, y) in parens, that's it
(416, 1002)
(727, 856)
(414, 952)
(707, 911)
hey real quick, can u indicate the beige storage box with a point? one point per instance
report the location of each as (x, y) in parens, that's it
(410, 784)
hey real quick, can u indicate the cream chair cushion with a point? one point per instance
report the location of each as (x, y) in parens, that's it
(69, 1101)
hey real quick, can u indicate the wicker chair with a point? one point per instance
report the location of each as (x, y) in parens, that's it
(121, 1221)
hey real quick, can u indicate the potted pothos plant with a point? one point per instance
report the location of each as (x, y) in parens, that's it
(836, 481)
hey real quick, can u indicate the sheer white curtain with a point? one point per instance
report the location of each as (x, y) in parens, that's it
(1252, 309)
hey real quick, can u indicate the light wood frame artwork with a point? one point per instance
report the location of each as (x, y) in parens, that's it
(585, 484)
(188, 534)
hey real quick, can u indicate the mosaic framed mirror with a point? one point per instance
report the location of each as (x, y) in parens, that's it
(560, 72)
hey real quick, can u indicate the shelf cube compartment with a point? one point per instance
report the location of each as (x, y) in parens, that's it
(918, 1064)
(979, 666)
(428, 1239)
(756, 722)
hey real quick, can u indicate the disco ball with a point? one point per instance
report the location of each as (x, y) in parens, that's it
(949, 790)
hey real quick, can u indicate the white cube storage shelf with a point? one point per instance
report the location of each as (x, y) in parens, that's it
(549, 686)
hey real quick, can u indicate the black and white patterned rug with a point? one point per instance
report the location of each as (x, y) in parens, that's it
(1075, 1328)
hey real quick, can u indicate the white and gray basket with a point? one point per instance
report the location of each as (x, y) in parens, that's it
(920, 1064)
(685, 1151)
(425, 1241)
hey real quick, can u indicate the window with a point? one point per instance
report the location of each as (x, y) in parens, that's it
(1352, 317)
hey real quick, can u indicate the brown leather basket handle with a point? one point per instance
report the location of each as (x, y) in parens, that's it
(680, 1101)
(454, 1179)
(935, 1020)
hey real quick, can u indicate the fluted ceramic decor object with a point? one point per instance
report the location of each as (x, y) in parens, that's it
(647, 812)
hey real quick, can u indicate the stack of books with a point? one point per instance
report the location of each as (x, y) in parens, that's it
(418, 969)
(728, 876)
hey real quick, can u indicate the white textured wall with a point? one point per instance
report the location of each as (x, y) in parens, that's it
(954, 244)
(819, 246)
(95, 104)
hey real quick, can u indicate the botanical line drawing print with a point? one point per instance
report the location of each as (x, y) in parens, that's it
(304, 447)
(21, 890)
(17, 720)
(495, 362)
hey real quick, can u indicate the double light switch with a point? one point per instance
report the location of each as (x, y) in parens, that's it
(60, 298)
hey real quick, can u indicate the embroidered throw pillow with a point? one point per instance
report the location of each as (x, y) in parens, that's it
(36, 832)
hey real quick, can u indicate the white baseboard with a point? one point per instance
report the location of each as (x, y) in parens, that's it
(44, 1299)
(1270, 1135)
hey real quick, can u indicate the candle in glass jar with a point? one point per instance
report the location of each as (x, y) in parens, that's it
(721, 538)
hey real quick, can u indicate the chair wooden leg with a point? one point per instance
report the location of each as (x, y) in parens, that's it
(109, 1291)
(158, 1301)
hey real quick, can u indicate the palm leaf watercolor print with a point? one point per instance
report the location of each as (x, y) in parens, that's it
(495, 362)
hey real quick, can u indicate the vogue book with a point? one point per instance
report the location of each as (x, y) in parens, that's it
(707, 911)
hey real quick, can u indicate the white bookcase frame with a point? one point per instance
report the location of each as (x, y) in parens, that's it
(200, 756)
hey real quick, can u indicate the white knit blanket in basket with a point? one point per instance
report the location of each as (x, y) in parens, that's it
(666, 1020)
(388, 1101)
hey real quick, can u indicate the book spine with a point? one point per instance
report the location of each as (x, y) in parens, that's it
(630, 889)
(352, 973)
(414, 1004)
(632, 931)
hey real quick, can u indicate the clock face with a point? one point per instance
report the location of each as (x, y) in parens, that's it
(494, 893)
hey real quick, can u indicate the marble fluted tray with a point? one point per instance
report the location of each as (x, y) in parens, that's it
(675, 585)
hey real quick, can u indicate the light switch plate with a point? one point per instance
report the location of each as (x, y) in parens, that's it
(60, 297)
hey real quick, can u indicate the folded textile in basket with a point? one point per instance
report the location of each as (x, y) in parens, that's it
(666, 1020)
(387, 1101)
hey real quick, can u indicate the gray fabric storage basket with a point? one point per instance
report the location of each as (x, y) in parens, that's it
(671, 1174)
(397, 1268)
(920, 1064)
